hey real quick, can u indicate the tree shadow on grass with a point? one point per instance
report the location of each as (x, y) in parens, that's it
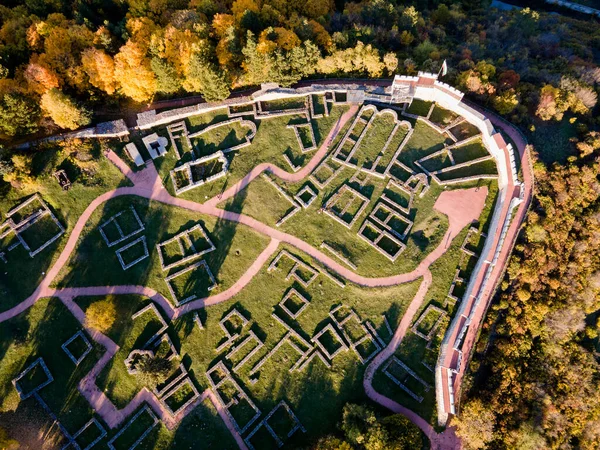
(222, 236)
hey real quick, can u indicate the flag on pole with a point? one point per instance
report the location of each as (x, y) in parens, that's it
(444, 70)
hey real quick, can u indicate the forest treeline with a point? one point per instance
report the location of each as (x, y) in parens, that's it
(534, 377)
(62, 60)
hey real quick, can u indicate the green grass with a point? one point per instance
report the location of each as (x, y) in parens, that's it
(429, 321)
(262, 439)
(134, 431)
(272, 140)
(331, 389)
(464, 130)
(413, 350)
(201, 429)
(318, 394)
(40, 331)
(264, 203)
(303, 390)
(41, 232)
(437, 162)
(22, 274)
(424, 141)
(130, 334)
(318, 104)
(442, 117)
(220, 138)
(469, 152)
(236, 248)
(419, 107)
(179, 398)
(372, 144)
(386, 158)
(283, 104)
(487, 167)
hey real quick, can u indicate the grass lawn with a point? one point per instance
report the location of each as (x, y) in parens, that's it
(424, 141)
(317, 385)
(262, 201)
(201, 429)
(376, 137)
(128, 334)
(464, 130)
(442, 117)
(236, 248)
(413, 349)
(40, 331)
(470, 151)
(419, 107)
(487, 167)
(271, 142)
(22, 274)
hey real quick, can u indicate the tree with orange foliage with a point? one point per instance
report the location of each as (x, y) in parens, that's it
(100, 69)
(134, 73)
(40, 77)
(63, 48)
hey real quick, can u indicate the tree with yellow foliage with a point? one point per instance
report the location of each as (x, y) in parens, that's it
(101, 315)
(358, 59)
(221, 23)
(63, 110)
(134, 73)
(474, 425)
(100, 69)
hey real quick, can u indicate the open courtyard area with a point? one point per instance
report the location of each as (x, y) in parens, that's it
(231, 275)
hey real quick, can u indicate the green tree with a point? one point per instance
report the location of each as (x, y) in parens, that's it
(63, 110)
(424, 50)
(204, 77)
(441, 15)
(361, 428)
(403, 434)
(332, 443)
(19, 115)
(167, 80)
(153, 370)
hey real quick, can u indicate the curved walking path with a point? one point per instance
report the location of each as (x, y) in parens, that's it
(462, 207)
(111, 415)
(446, 440)
(485, 290)
(283, 174)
